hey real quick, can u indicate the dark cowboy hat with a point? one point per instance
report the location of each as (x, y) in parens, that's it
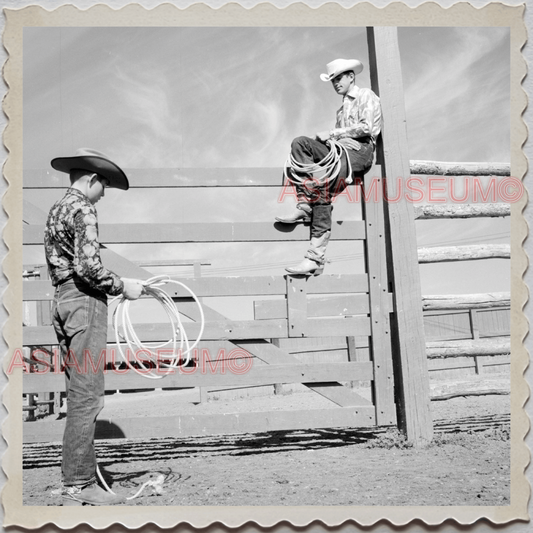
(87, 159)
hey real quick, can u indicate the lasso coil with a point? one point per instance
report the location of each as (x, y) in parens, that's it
(321, 173)
(177, 349)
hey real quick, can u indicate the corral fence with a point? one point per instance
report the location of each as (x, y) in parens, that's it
(377, 313)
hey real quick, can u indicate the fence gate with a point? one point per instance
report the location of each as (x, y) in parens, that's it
(378, 311)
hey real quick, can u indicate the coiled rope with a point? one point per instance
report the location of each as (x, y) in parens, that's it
(318, 174)
(124, 332)
(177, 349)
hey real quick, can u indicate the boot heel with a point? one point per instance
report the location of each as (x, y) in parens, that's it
(318, 271)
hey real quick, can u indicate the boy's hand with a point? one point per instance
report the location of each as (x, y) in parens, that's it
(133, 288)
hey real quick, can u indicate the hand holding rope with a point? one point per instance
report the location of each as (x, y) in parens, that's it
(176, 348)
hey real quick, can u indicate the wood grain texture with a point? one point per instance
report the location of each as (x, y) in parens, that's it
(428, 212)
(412, 383)
(472, 252)
(206, 232)
(230, 423)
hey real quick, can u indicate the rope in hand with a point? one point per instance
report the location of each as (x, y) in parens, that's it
(329, 167)
(176, 350)
(124, 332)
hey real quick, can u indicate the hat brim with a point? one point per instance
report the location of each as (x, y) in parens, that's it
(113, 173)
(356, 67)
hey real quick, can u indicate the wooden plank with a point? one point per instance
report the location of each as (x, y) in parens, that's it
(206, 232)
(219, 330)
(245, 177)
(429, 212)
(169, 178)
(338, 327)
(341, 305)
(231, 286)
(271, 354)
(297, 325)
(194, 425)
(121, 266)
(378, 289)
(407, 331)
(215, 374)
(472, 252)
(31, 214)
(440, 365)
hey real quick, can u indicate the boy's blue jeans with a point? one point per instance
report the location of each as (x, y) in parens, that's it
(79, 316)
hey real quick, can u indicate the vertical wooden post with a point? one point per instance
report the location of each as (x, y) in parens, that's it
(44, 318)
(407, 329)
(474, 328)
(197, 267)
(378, 292)
(296, 306)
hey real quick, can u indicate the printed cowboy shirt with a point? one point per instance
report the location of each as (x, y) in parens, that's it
(359, 116)
(72, 247)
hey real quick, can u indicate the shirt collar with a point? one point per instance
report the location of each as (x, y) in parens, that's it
(79, 194)
(353, 92)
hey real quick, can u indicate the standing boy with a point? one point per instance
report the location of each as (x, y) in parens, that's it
(79, 312)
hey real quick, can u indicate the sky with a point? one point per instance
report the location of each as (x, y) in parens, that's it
(155, 98)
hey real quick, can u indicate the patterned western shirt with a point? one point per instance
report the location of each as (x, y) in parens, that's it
(359, 116)
(71, 244)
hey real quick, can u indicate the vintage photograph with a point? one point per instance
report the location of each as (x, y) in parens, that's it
(266, 265)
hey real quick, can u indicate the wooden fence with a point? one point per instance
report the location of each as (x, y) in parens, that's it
(381, 305)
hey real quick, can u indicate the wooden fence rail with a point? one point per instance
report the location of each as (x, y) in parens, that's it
(443, 254)
(246, 177)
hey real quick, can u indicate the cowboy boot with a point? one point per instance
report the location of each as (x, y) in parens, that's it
(314, 260)
(302, 213)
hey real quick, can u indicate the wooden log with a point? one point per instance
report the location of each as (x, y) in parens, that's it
(471, 347)
(469, 393)
(472, 252)
(407, 329)
(206, 232)
(442, 168)
(427, 212)
(490, 300)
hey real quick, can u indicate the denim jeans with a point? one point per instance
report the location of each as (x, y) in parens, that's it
(307, 151)
(79, 317)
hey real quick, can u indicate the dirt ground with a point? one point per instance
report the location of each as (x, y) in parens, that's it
(467, 464)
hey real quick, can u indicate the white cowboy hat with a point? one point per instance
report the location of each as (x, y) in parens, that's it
(341, 65)
(87, 159)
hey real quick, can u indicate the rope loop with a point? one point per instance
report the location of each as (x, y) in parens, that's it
(318, 174)
(177, 348)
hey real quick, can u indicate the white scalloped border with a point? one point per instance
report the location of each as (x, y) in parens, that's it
(365, 14)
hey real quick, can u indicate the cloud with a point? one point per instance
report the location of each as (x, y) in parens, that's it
(155, 138)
